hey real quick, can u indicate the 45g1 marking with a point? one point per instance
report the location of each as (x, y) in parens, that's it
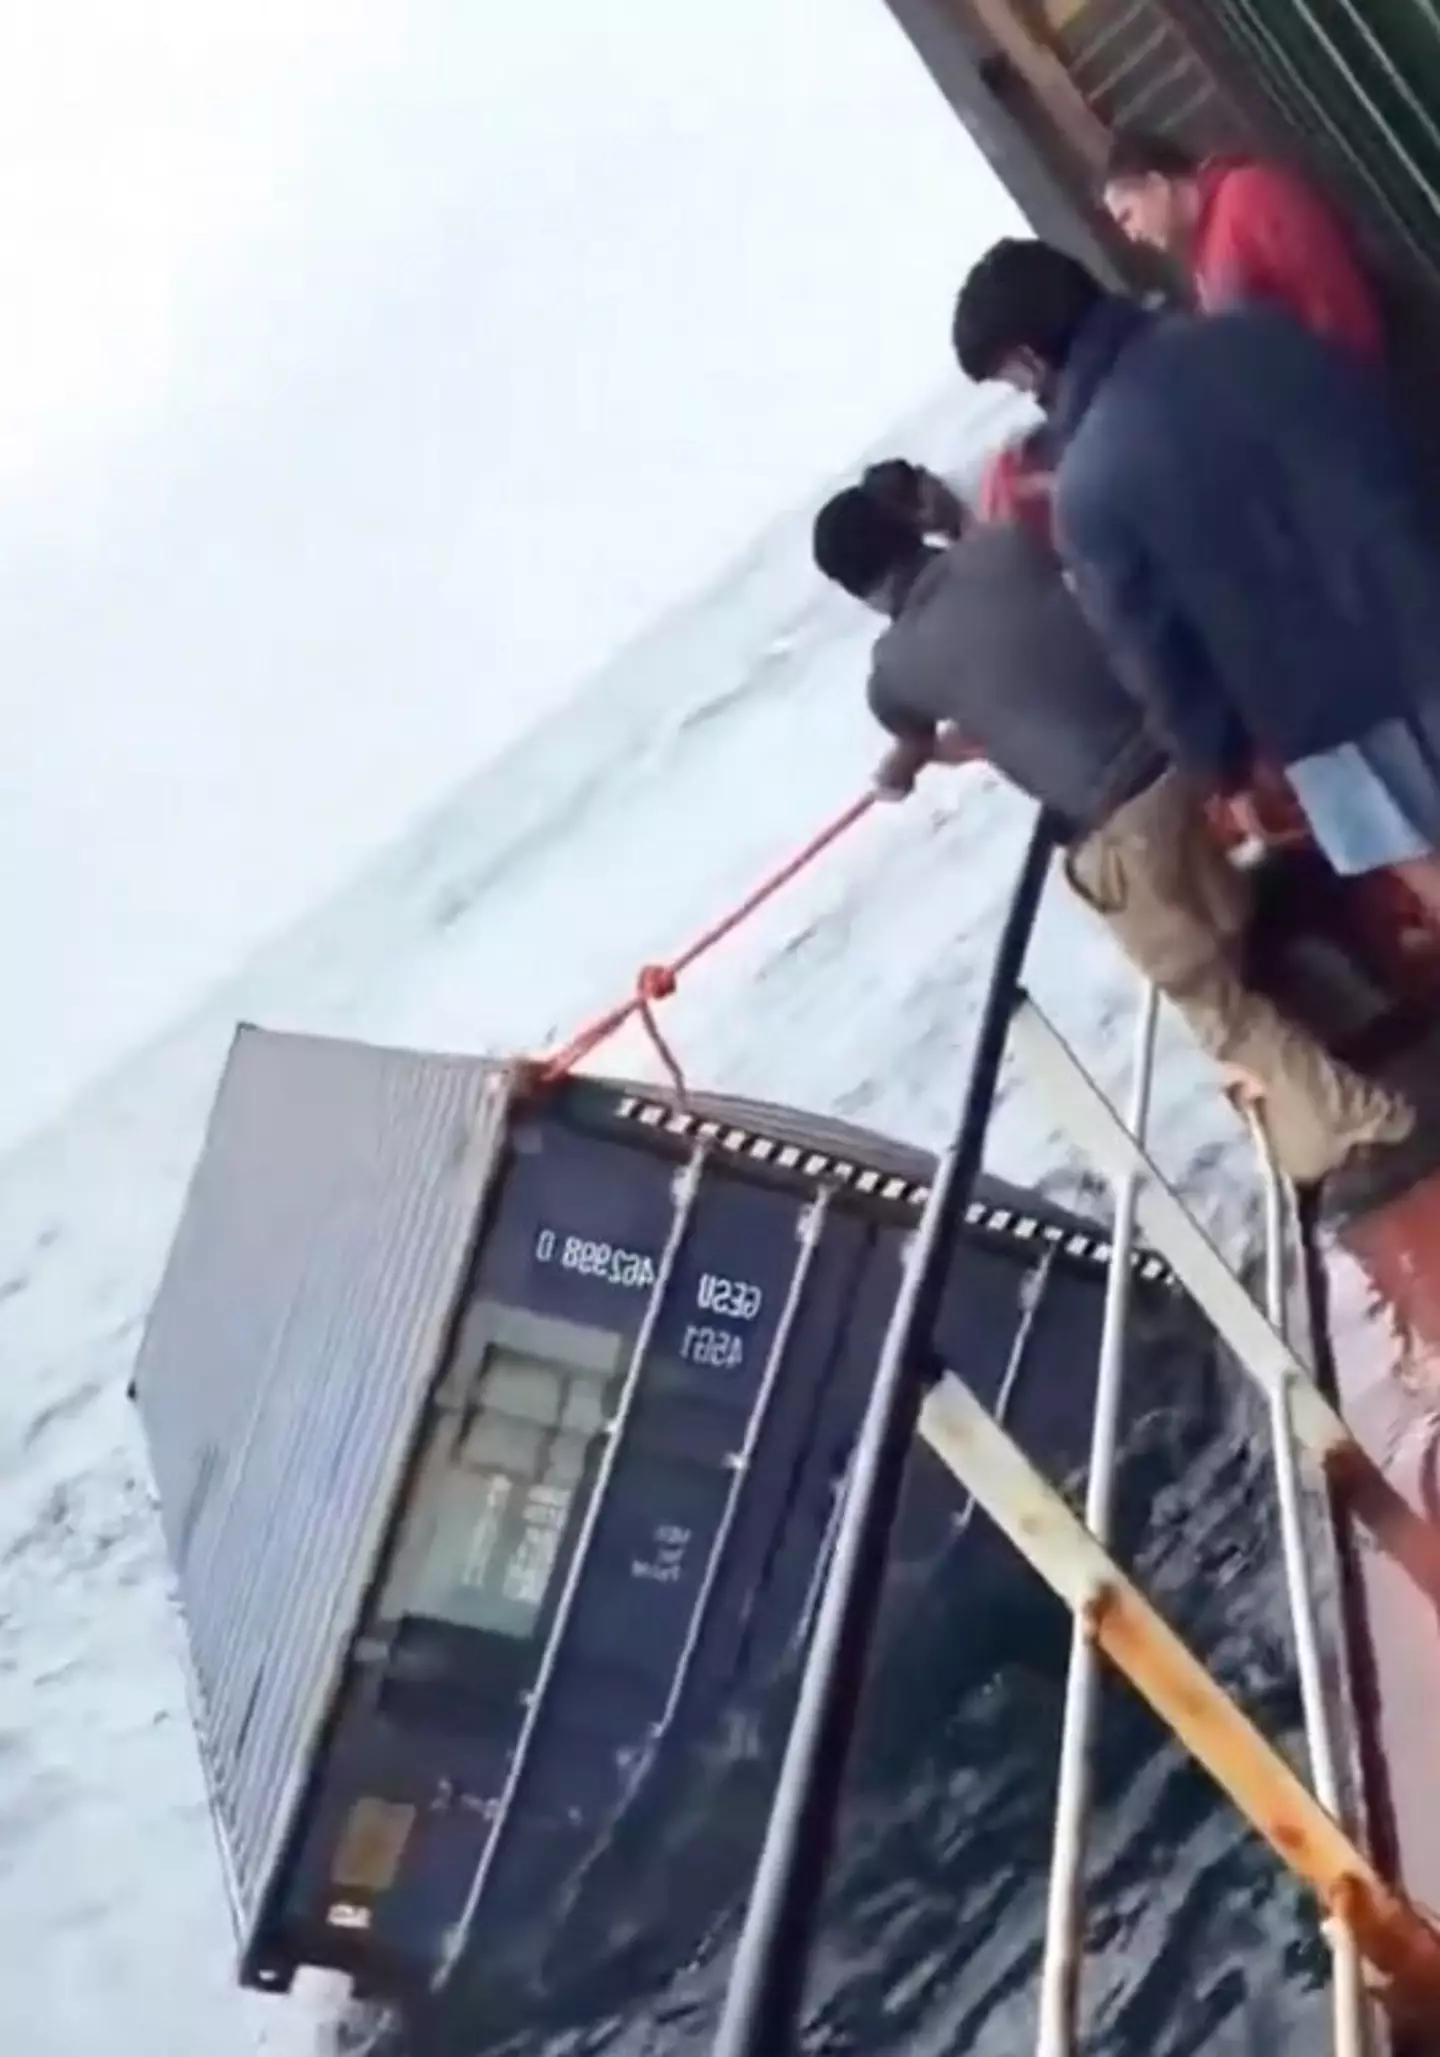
(715, 1348)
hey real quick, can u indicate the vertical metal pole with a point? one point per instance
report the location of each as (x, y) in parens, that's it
(1065, 1913)
(1349, 1991)
(767, 1981)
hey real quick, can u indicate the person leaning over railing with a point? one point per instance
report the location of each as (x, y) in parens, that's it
(1237, 509)
(987, 657)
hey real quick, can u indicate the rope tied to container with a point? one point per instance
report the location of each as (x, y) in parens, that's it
(655, 983)
(658, 982)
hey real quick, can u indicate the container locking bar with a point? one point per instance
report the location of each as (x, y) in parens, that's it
(687, 1186)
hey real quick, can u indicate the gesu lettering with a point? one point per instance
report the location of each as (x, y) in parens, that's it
(737, 1299)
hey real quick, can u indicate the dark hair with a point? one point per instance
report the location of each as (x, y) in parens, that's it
(859, 542)
(895, 482)
(1139, 154)
(1022, 295)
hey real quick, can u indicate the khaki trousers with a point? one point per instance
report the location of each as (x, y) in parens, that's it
(1178, 909)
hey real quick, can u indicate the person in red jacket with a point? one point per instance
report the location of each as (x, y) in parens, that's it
(1246, 231)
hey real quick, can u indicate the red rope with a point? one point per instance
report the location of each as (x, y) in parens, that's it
(657, 982)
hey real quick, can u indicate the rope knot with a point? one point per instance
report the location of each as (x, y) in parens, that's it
(656, 982)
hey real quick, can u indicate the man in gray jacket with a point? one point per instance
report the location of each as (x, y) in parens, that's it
(987, 657)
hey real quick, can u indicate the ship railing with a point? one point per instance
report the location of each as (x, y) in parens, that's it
(1369, 1922)
(1064, 1945)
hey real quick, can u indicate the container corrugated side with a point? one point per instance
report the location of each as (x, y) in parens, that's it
(296, 1335)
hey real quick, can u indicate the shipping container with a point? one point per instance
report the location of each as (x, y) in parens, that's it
(498, 1435)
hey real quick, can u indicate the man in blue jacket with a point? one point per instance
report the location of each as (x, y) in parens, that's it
(1235, 507)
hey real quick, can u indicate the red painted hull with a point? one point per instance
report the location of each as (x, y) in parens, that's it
(1377, 1318)
(1382, 1284)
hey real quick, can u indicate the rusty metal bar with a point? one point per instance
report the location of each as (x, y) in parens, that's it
(1173, 1232)
(1397, 1941)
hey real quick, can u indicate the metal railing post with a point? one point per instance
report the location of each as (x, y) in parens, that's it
(1064, 1919)
(767, 1980)
(1348, 1992)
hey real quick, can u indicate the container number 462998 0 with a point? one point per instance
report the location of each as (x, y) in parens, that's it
(607, 1262)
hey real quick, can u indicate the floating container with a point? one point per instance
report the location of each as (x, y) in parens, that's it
(499, 1434)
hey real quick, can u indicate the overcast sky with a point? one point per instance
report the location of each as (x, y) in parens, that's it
(368, 372)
